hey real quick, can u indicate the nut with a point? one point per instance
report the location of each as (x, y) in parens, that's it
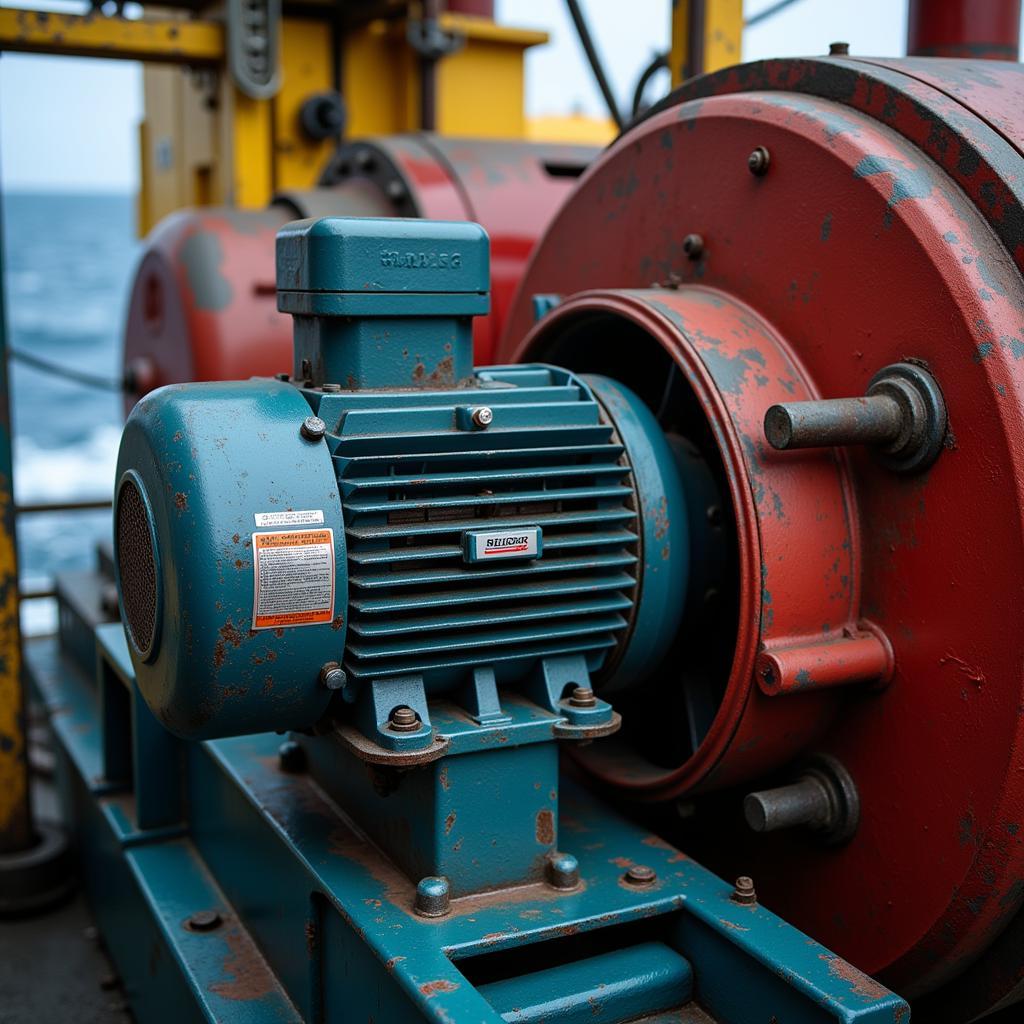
(313, 428)
(204, 921)
(582, 697)
(404, 719)
(758, 161)
(744, 893)
(639, 875)
(482, 417)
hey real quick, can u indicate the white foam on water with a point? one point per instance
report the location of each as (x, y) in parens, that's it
(82, 470)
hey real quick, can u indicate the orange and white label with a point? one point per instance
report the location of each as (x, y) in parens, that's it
(293, 578)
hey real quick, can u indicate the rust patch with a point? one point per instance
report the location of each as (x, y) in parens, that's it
(310, 939)
(235, 538)
(545, 827)
(337, 622)
(229, 635)
(860, 984)
(181, 501)
(449, 822)
(431, 988)
(442, 778)
(250, 976)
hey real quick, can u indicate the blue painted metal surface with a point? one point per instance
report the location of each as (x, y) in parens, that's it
(209, 458)
(383, 303)
(318, 925)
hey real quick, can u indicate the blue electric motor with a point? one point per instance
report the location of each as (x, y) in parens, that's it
(390, 524)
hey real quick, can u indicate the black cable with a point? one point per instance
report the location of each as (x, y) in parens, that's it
(89, 380)
(658, 63)
(594, 60)
(768, 12)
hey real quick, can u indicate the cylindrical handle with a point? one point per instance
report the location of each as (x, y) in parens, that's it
(874, 419)
(803, 803)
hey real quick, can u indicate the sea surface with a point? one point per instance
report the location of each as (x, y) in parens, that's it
(68, 261)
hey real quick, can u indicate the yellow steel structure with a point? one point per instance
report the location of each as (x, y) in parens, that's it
(706, 35)
(166, 40)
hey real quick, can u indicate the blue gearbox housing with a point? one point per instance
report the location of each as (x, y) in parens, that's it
(388, 526)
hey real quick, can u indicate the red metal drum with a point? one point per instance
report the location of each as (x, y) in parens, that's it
(203, 304)
(843, 216)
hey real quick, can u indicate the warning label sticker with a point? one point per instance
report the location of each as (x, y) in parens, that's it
(294, 578)
(306, 517)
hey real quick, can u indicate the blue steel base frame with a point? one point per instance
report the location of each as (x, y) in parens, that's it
(316, 925)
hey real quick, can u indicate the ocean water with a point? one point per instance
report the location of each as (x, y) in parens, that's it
(68, 261)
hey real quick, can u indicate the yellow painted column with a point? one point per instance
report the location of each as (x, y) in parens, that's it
(15, 805)
(706, 35)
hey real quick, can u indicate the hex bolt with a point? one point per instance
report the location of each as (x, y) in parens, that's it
(482, 417)
(433, 896)
(291, 757)
(333, 676)
(744, 892)
(204, 921)
(693, 246)
(903, 416)
(313, 428)
(758, 162)
(562, 871)
(838, 49)
(640, 875)
(823, 799)
(582, 697)
(403, 719)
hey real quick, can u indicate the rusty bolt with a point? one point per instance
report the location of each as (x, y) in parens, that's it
(333, 676)
(313, 428)
(403, 719)
(744, 892)
(562, 870)
(433, 896)
(204, 921)
(291, 757)
(758, 162)
(582, 697)
(640, 875)
(838, 49)
(693, 246)
(482, 417)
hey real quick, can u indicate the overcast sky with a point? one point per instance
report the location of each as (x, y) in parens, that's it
(68, 123)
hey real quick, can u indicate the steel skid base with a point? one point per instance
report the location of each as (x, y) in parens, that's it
(228, 888)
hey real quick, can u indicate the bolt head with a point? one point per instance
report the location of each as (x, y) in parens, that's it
(313, 428)
(562, 871)
(404, 719)
(291, 757)
(758, 161)
(333, 676)
(744, 892)
(640, 875)
(582, 697)
(838, 49)
(433, 896)
(482, 417)
(395, 190)
(204, 921)
(693, 246)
